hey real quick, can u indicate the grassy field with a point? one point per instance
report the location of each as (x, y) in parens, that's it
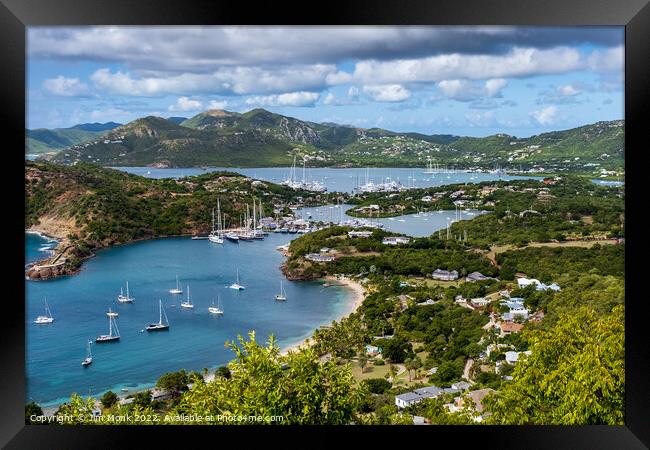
(370, 371)
(584, 244)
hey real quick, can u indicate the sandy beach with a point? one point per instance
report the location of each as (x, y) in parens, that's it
(357, 298)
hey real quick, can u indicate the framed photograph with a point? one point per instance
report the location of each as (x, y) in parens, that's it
(403, 219)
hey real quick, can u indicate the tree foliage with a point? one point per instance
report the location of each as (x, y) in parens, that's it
(575, 374)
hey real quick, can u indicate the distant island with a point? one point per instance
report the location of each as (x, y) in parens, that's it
(259, 138)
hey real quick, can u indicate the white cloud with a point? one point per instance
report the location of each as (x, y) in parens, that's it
(353, 92)
(65, 87)
(387, 93)
(465, 91)
(226, 80)
(608, 60)
(545, 116)
(186, 104)
(519, 62)
(330, 99)
(493, 87)
(287, 99)
(567, 90)
(208, 48)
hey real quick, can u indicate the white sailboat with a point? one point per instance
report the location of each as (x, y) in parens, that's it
(111, 313)
(177, 289)
(215, 235)
(47, 318)
(89, 356)
(237, 285)
(125, 298)
(160, 326)
(188, 303)
(110, 337)
(282, 296)
(216, 309)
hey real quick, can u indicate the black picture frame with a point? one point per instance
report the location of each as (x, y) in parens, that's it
(16, 15)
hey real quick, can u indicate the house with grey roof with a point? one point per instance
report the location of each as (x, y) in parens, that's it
(477, 276)
(407, 399)
(461, 385)
(417, 395)
(444, 275)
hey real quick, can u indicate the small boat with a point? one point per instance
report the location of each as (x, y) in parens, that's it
(160, 326)
(111, 313)
(89, 357)
(177, 289)
(47, 318)
(232, 236)
(282, 295)
(216, 309)
(197, 237)
(124, 390)
(188, 303)
(125, 298)
(236, 285)
(110, 337)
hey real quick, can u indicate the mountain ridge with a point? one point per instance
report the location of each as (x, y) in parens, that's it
(263, 138)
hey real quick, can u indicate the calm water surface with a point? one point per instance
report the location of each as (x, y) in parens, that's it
(341, 180)
(196, 338)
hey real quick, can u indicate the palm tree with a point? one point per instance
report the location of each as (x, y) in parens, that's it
(363, 361)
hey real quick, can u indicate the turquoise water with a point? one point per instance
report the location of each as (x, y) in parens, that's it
(417, 225)
(341, 180)
(196, 338)
(37, 247)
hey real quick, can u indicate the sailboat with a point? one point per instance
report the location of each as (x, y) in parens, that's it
(215, 235)
(216, 309)
(125, 298)
(110, 313)
(177, 289)
(282, 295)
(188, 303)
(110, 337)
(47, 318)
(237, 285)
(89, 356)
(160, 326)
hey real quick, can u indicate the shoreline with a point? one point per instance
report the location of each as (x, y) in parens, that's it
(358, 295)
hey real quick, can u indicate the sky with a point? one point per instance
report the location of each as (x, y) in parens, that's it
(469, 81)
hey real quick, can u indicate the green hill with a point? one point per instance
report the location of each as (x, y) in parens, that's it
(42, 140)
(261, 138)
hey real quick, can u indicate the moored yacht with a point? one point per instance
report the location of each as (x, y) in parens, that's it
(160, 326)
(47, 318)
(110, 337)
(177, 289)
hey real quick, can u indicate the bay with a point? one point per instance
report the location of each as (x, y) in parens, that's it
(196, 338)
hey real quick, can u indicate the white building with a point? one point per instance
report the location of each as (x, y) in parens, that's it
(359, 234)
(395, 240)
(444, 275)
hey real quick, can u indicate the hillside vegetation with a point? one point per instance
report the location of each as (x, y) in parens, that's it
(260, 138)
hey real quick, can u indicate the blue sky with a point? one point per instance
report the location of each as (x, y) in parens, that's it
(472, 81)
